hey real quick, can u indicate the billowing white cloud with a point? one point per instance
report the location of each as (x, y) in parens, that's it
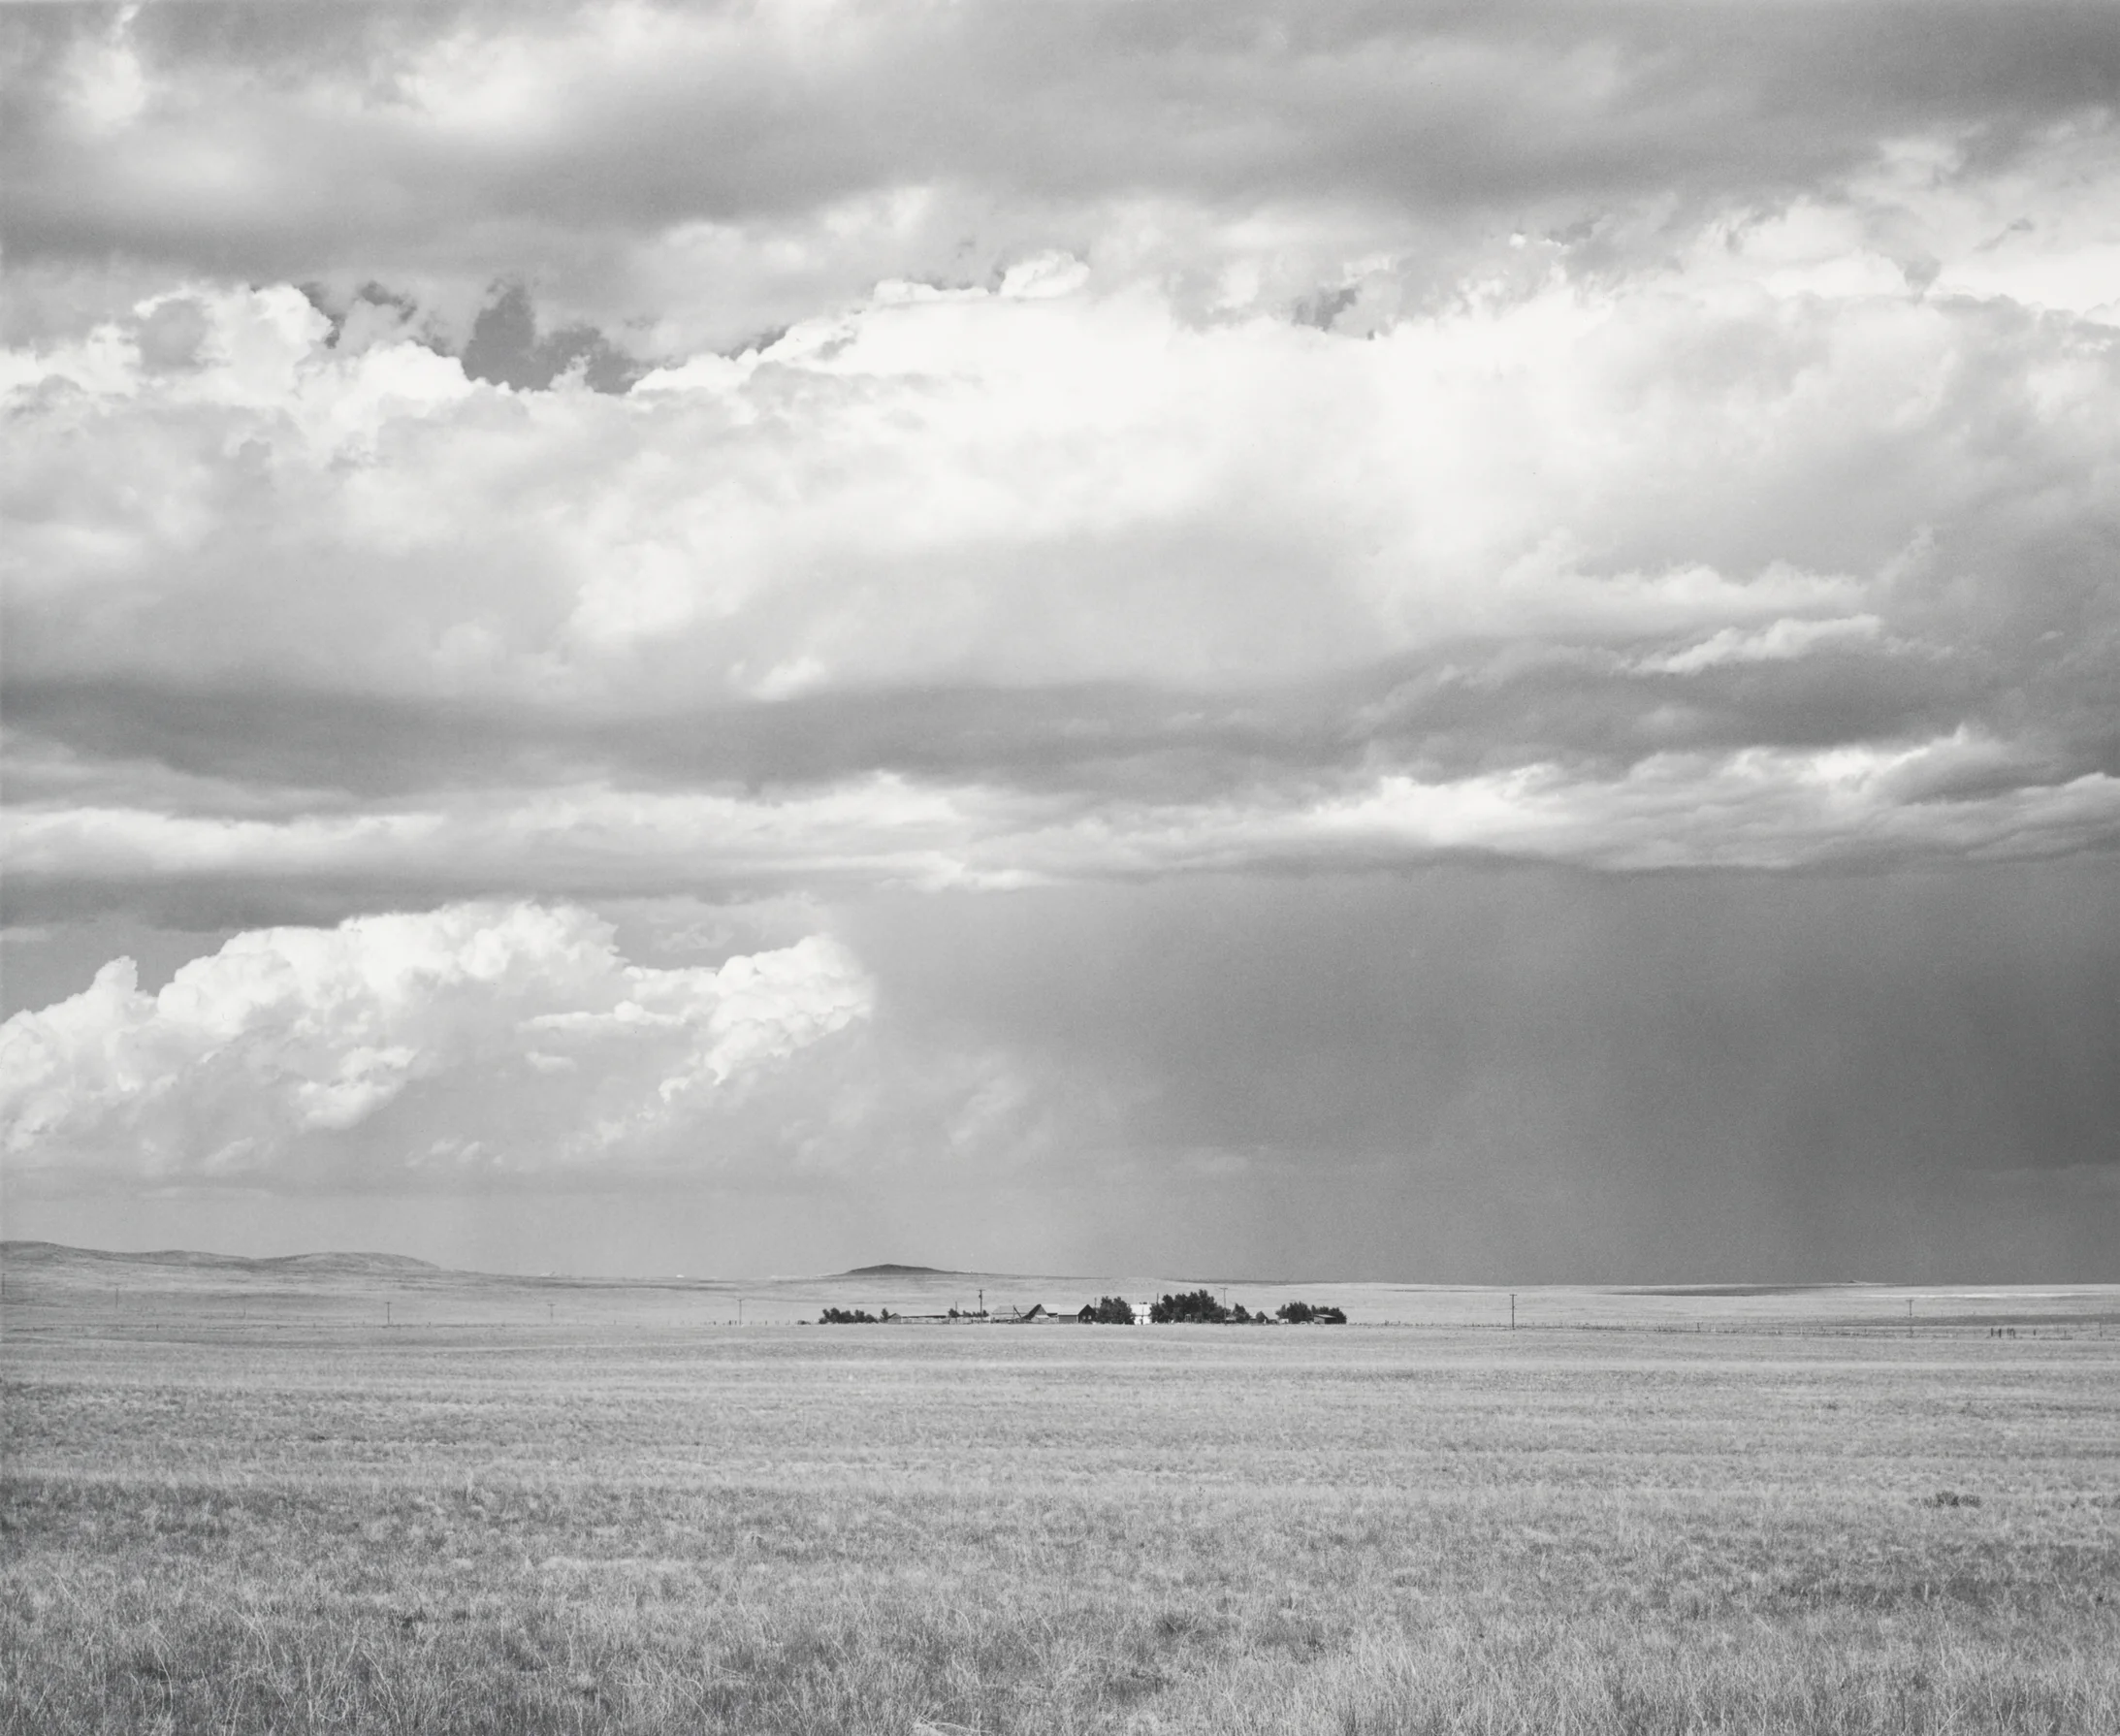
(1565, 438)
(1045, 488)
(1020, 487)
(478, 1041)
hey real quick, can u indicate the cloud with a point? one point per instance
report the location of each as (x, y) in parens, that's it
(1024, 490)
(702, 173)
(683, 447)
(1778, 642)
(479, 1042)
(479, 464)
(973, 585)
(1443, 1075)
(507, 347)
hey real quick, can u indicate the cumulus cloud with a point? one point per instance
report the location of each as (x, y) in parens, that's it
(478, 1041)
(913, 590)
(782, 446)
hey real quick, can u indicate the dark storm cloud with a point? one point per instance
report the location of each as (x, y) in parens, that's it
(508, 347)
(293, 140)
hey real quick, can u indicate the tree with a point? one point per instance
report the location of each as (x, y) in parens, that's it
(1107, 1310)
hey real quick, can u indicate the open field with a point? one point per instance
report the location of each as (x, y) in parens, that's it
(235, 1500)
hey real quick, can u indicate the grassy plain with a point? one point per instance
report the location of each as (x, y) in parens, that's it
(233, 1501)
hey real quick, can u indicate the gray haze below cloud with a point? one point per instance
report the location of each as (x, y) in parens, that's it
(1567, 1075)
(1460, 1076)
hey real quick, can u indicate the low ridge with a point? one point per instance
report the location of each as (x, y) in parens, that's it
(892, 1269)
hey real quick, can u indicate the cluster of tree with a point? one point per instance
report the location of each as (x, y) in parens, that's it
(853, 1317)
(1198, 1307)
(1195, 1307)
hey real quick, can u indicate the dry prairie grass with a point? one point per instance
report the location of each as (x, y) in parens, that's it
(899, 1529)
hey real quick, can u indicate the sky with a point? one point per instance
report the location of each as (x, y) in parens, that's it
(1445, 642)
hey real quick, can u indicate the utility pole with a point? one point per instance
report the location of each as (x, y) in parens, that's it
(1910, 1317)
(739, 1311)
(982, 1302)
(386, 1313)
(1512, 1310)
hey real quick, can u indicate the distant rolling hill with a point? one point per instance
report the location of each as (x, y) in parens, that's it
(48, 1285)
(40, 1253)
(55, 1253)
